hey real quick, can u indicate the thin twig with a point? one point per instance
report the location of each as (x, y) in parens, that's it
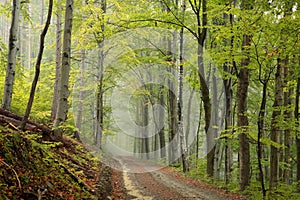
(19, 183)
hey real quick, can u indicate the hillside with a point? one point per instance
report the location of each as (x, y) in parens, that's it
(33, 168)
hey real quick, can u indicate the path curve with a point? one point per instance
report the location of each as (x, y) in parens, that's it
(144, 183)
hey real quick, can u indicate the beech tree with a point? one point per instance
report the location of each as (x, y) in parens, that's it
(255, 49)
(182, 135)
(57, 60)
(12, 56)
(63, 90)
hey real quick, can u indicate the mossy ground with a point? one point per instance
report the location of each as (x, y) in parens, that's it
(31, 168)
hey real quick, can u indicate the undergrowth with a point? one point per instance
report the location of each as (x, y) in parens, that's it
(282, 192)
(31, 168)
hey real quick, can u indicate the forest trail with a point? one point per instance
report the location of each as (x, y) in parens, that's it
(145, 181)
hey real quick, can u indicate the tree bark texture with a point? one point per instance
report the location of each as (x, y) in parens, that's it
(242, 121)
(183, 147)
(63, 92)
(57, 60)
(275, 133)
(242, 107)
(12, 54)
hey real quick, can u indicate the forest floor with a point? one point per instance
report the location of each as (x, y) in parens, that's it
(145, 180)
(33, 166)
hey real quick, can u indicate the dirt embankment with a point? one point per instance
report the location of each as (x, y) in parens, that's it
(32, 168)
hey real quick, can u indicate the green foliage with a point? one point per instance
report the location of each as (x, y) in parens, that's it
(274, 35)
(199, 171)
(282, 192)
(5, 9)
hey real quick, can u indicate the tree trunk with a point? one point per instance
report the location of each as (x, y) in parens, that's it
(100, 82)
(296, 115)
(215, 126)
(183, 147)
(63, 92)
(228, 124)
(201, 36)
(81, 92)
(198, 130)
(42, 12)
(228, 101)
(242, 103)
(172, 119)
(29, 51)
(260, 124)
(100, 100)
(188, 120)
(12, 53)
(172, 109)
(145, 133)
(275, 133)
(242, 97)
(57, 61)
(287, 117)
(37, 66)
(161, 118)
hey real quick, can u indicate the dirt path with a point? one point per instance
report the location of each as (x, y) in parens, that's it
(144, 180)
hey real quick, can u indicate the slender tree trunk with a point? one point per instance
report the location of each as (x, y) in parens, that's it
(136, 148)
(145, 133)
(228, 124)
(100, 99)
(215, 125)
(260, 124)
(161, 118)
(183, 148)
(37, 66)
(200, 11)
(12, 54)
(42, 12)
(275, 129)
(228, 101)
(81, 92)
(57, 61)
(172, 110)
(287, 116)
(100, 82)
(172, 126)
(198, 130)
(296, 115)
(188, 120)
(29, 53)
(23, 40)
(63, 91)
